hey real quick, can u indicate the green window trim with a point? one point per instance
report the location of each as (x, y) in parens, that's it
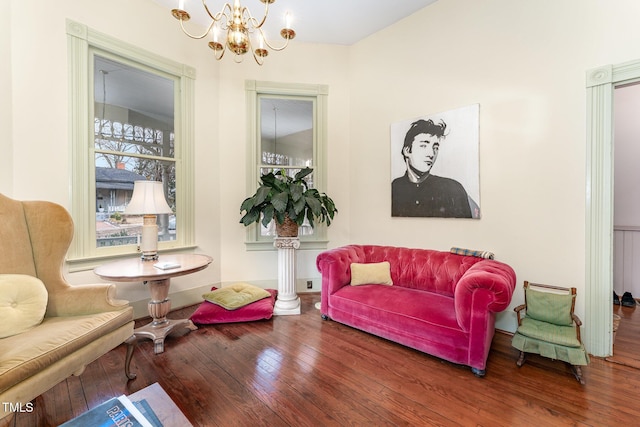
(82, 41)
(318, 94)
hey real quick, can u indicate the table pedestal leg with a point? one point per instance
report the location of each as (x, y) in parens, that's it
(159, 306)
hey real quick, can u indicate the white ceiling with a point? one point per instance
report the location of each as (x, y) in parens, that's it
(315, 21)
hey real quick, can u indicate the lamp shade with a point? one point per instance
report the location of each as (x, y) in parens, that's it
(148, 198)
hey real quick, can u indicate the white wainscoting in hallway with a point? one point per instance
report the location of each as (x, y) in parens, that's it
(626, 260)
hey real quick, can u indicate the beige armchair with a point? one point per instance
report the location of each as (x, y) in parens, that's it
(78, 324)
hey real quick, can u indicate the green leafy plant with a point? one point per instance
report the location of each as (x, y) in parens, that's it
(280, 196)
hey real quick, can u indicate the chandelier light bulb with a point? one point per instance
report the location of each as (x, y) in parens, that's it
(214, 34)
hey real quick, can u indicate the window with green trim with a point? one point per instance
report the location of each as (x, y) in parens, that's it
(131, 120)
(287, 131)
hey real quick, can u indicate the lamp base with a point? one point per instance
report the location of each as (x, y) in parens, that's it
(149, 256)
(149, 239)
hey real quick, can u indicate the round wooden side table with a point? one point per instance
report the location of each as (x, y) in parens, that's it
(158, 279)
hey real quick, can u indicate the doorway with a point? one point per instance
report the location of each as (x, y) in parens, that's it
(600, 84)
(626, 223)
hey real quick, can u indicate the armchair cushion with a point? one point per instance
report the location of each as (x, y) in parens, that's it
(549, 307)
(561, 335)
(23, 303)
(55, 340)
(373, 273)
(554, 342)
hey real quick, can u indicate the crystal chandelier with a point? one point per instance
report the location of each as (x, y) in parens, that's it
(243, 31)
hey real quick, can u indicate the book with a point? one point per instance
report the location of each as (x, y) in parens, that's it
(144, 407)
(115, 412)
(166, 265)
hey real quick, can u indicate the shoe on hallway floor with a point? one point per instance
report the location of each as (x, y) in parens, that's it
(616, 298)
(628, 300)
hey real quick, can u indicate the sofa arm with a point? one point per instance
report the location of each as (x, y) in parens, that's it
(84, 299)
(487, 286)
(335, 266)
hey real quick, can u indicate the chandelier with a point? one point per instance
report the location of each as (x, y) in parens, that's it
(243, 31)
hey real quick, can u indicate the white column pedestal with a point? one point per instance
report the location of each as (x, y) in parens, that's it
(288, 301)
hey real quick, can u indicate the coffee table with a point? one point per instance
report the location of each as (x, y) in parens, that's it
(134, 269)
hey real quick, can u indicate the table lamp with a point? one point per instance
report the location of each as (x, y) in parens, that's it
(148, 200)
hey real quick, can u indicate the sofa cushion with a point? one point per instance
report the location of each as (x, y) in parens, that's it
(209, 313)
(23, 302)
(401, 309)
(236, 296)
(374, 273)
(25, 354)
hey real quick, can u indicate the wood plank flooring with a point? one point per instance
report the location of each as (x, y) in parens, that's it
(626, 345)
(303, 371)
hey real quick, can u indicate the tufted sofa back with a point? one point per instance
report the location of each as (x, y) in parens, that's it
(424, 269)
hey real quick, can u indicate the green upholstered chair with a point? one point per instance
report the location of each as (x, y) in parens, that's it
(550, 328)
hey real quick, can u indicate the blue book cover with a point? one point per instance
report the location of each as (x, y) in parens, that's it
(115, 412)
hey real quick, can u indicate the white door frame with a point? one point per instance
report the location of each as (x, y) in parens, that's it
(601, 83)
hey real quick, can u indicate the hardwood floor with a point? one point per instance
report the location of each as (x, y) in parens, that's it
(303, 371)
(626, 345)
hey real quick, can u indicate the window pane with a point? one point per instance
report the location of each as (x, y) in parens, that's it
(133, 140)
(286, 129)
(286, 135)
(134, 109)
(114, 187)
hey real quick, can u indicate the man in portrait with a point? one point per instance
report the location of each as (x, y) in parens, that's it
(419, 192)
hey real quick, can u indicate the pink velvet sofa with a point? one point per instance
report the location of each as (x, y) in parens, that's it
(440, 303)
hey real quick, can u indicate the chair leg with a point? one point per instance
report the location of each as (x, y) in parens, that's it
(520, 361)
(577, 372)
(131, 345)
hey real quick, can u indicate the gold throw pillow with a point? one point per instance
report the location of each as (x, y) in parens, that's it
(374, 273)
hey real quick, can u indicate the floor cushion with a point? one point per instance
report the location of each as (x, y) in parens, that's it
(209, 313)
(236, 296)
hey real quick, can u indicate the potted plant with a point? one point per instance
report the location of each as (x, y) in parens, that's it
(288, 201)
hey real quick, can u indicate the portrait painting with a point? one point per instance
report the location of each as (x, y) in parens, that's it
(435, 165)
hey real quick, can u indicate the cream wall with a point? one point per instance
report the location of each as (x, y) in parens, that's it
(524, 62)
(6, 142)
(299, 63)
(39, 88)
(39, 108)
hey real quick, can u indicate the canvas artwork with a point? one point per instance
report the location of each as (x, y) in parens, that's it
(435, 165)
